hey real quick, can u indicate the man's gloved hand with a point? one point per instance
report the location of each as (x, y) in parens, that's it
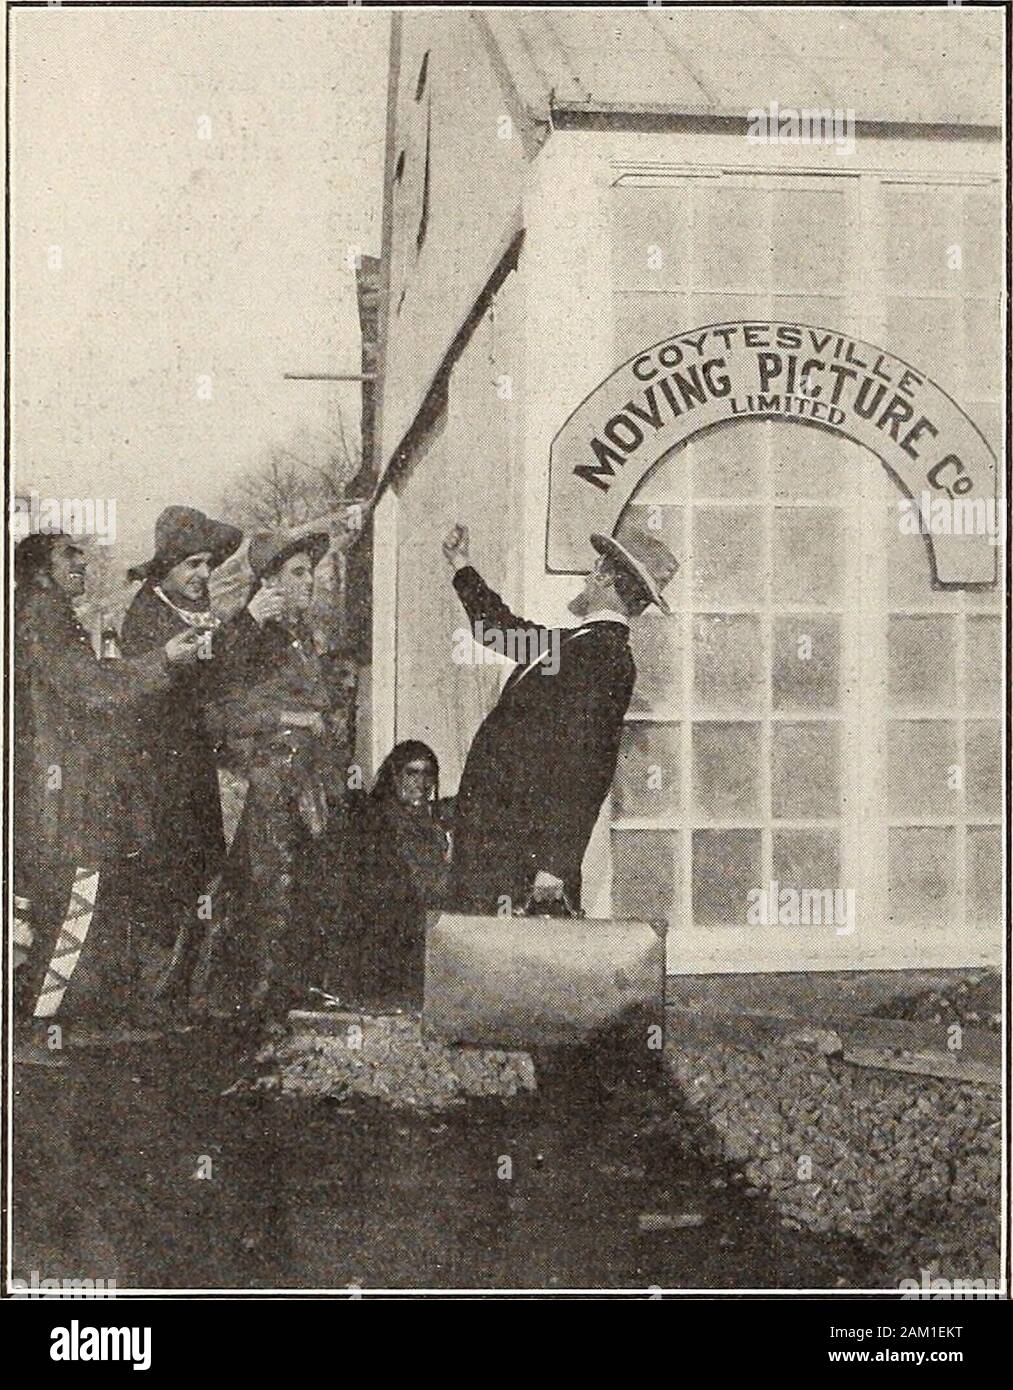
(455, 547)
(266, 603)
(184, 647)
(547, 888)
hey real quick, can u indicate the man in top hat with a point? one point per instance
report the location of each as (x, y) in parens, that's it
(168, 890)
(272, 717)
(542, 762)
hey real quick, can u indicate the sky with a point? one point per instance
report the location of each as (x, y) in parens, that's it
(188, 190)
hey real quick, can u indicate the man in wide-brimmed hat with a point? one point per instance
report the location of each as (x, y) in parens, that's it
(187, 543)
(168, 891)
(273, 719)
(542, 762)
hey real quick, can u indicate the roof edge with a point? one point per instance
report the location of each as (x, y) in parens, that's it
(533, 124)
(573, 115)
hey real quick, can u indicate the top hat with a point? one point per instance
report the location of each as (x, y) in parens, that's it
(646, 558)
(184, 531)
(268, 549)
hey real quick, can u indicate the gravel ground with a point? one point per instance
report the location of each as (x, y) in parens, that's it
(911, 1167)
(388, 1058)
(975, 1002)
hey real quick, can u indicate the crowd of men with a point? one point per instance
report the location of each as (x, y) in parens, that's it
(125, 887)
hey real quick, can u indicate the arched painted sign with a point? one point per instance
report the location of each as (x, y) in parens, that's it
(788, 371)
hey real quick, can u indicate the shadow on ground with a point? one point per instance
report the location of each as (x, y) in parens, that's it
(131, 1165)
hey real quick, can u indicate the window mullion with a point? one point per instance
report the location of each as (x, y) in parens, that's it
(872, 801)
(959, 904)
(766, 618)
(684, 845)
(866, 620)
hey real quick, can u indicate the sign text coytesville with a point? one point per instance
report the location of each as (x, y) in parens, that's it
(710, 376)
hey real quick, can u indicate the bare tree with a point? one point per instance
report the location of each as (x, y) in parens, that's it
(292, 484)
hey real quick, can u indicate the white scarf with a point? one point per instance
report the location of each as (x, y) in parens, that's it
(192, 619)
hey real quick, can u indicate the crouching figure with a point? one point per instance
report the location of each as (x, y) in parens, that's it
(396, 864)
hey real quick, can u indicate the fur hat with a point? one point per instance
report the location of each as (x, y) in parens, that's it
(181, 532)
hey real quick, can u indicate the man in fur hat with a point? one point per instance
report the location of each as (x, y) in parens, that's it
(168, 890)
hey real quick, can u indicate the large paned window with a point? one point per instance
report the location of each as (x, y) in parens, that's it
(816, 714)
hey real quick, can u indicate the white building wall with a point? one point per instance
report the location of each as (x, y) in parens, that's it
(456, 187)
(465, 470)
(924, 863)
(922, 859)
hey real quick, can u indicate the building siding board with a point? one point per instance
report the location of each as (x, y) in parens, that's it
(474, 190)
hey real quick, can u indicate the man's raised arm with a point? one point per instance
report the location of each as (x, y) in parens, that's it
(492, 622)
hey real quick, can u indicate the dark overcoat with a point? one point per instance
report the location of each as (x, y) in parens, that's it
(269, 670)
(72, 717)
(542, 762)
(173, 768)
